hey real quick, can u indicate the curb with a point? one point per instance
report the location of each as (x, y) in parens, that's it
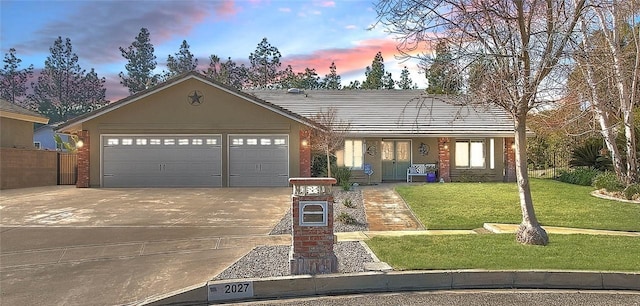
(395, 281)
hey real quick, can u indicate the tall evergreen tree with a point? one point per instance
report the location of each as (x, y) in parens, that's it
(141, 64)
(332, 80)
(309, 79)
(13, 81)
(264, 71)
(375, 73)
(183, 61)
(228, 73)
(63, 91)
(441, 72)
(406, 82)
(388, 82)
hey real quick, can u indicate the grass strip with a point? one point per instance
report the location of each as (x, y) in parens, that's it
(502, 252)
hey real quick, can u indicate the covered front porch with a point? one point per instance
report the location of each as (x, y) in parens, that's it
(478, 158)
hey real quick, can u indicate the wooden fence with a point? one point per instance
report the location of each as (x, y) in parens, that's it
(67, 168)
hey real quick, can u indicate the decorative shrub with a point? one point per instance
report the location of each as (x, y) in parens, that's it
(632, 191)
(608, 181)
(319, 164)
(580, 176)
(590, 155)
(346, 218)
(348, 203)
(342, 176)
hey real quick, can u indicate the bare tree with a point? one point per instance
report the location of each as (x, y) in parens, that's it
(329, 136)
(517, 44)
(608, 61)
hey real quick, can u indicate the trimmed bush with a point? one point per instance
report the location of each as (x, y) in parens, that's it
(631, 191)
(580, 176)
(608, 181)
(342, 176)
(346, 218)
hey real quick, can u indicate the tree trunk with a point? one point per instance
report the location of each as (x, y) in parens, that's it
(328, 163)
(632, 157)
(530, 231)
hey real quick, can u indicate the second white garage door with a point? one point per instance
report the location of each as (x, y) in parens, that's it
(258, 160)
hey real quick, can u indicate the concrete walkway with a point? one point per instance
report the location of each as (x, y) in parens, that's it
(387, 211)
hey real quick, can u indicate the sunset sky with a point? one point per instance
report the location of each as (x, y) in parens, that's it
(307, 33)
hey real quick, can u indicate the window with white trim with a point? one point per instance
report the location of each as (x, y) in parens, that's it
(470, 153)
(127, 141)
(183, 142)
(237, 141)
(141, 141)
(265, 141)
(113, 141)
(212, 141)
(279, 141)
(169, 141)
(252, 141)
(196, 141)
(353, 154)
(154, 141)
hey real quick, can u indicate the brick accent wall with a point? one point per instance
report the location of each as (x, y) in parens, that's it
(22, 168)
(444, 158)
(305, 153)
(312, 246)
(83, 160)
(510, 160)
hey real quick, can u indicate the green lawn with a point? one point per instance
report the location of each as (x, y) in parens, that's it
(502, 252)
(470, 205)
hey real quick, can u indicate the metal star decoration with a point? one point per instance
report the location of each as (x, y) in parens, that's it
(195, 98)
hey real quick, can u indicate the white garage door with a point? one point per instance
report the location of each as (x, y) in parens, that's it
(258, 160)
(161, 161)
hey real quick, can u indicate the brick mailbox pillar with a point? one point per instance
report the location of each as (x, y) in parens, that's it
(313, 239)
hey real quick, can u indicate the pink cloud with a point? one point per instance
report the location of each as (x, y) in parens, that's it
(326, 3)
(348, 60)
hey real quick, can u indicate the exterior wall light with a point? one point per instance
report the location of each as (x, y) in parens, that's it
(79, 144)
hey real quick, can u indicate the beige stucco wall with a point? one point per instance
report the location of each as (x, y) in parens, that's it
(169, 112)
(16, 133)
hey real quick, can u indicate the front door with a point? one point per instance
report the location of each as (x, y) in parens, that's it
(396, 159)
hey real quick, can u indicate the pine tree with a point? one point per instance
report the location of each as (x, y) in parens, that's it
(63, 91)
(264, 71)
(309, 79)
(141, 64)
(374, 73)
(183, 61)
(13, 81)
(388, 82)
(405, 82)
(442, 73)
(331, 80)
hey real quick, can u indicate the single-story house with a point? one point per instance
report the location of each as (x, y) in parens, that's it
(192, 131)
(21, 165)
(16, 125)
(43, 137)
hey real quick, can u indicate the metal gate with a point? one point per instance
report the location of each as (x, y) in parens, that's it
(67, 168)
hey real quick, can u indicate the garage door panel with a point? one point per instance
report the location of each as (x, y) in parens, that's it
(162, 161)
(258, 160)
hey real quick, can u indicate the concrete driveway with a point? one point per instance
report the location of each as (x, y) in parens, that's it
(63, 245)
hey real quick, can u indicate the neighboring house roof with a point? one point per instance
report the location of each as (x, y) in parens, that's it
(396, 113)
(13, 111)
(72, 124)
